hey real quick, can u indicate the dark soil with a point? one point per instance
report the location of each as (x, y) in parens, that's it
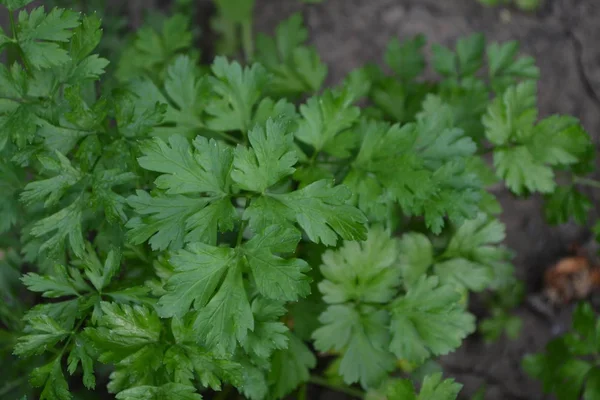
(563, 36)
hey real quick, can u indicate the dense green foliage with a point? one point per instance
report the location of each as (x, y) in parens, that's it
(184, 228)
(569, 366)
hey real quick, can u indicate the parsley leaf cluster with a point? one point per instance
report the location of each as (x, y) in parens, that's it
(184, 229)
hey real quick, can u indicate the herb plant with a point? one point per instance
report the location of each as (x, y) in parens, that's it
(184, 229)
(569, 366)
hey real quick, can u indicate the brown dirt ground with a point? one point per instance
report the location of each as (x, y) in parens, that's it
(563, 36)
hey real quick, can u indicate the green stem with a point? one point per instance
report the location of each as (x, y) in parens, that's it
(13, 28)
(227, 136)
(587, 182)
(241, 232)
(247, 40)
(302, 392)
(13, 25)
(313, 158)
(317, 380)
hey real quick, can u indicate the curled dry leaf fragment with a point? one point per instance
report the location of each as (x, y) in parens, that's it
(571, 278)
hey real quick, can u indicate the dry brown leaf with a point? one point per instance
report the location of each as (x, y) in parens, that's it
(571, 278)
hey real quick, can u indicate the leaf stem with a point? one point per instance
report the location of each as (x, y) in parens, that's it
(302, 392)
(241, 233)
(13, 28)
(587, 182)
(317, 380)
(227, 136)
(247, 40)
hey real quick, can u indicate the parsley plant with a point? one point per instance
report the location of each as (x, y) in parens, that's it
(184, 229)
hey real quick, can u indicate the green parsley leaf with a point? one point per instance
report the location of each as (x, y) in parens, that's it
(290, 367)
(101, 275)
(236, 91)
(406, 59)
(162, 219)
(51, 378)
(422, 166)
(223, 317)
(362, 271)
(187, 360)
(296, 69)
(474, 255)
(319, 208)
(428, 320)
(498, 323)
(63, 282)
(198, 271)
(416, 256)
(227, 317)
(81, 353)
(166, 391)
(435, 388)
(45, 334)
(269, 333)
(203, 169)
(10, 185)
(592, 385)
(254, 385)
(325, 118)
(528, 151)
(13, 5)
(270, 159)
(19, 123)
(86, 37)
(267, 108)
(52, 189)
(467, 60)
(505, 67)
(152, 51)
(182, 99)
(464, 273)
(39, 35)
(564, 203)
(432, 388)
(135, 121)
(129, 337)
(104, 198)
(174, 220)
(558, 370)
(66, 224)
(362, 335)
(275, 277)
(125, 327)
